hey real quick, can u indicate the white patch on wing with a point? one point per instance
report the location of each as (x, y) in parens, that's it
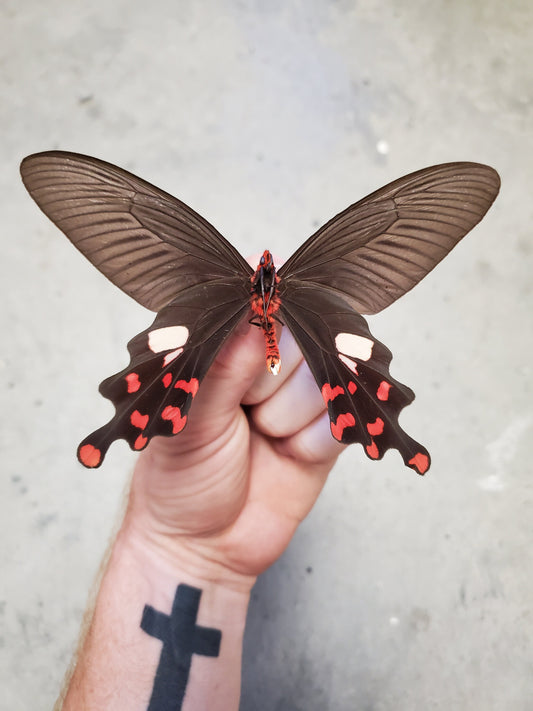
(171, 356)
(349, 363)
(164, 339)
(354, 346)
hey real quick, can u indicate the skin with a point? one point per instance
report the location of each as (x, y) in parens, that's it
(213, 507)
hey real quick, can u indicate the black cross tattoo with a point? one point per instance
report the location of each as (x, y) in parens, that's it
(181, 638)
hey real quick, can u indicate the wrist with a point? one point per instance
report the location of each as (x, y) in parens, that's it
(157, 601)
(196, 561)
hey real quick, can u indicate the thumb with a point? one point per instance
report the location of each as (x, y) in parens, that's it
(217, 404)
(235, 368)
(216, 407)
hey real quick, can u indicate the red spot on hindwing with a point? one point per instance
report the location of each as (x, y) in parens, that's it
(140, 442)
(352, 387)
(133, 382)
(329, 393)
(372, 450)
(166, 379)
(420, 462)
(346, 419)
(375, 428)
(383, 390)
(138, 420)
(173, 414)
(190, 386)
(89, 456)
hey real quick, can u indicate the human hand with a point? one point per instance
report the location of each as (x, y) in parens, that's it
(228, 493)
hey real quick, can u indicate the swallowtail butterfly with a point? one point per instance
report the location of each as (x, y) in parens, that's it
(163, 254)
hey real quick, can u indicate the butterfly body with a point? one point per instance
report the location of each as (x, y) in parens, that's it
(171, 260)
(265, 303)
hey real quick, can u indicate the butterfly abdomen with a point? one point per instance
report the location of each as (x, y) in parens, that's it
(273, 359)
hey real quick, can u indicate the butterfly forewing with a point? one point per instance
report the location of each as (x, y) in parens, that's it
(380, 247)
(148, 243)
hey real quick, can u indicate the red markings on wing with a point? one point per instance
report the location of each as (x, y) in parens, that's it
(343, 421)
(372, 450)
(140, 442)
(133, 382)
(375, 428)
(173, 414)
(89, 456)
(329, 393)
(420, 462)
(352, 387)
(383, 390)
(138, 420)
(190, 386)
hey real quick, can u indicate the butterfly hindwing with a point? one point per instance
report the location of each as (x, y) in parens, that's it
(152, 396)
(351, 369)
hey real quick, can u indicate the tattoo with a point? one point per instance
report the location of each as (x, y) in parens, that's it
(181, 638)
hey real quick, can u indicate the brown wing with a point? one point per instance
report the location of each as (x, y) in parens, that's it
(169, 360)
(148, 243)
(380, 247)
(351, 368)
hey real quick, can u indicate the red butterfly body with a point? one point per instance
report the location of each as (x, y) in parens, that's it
(265, 303)
(171, 260)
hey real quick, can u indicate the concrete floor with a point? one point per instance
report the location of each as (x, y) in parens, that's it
(398, 592)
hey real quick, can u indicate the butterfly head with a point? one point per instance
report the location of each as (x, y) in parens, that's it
(266, 260)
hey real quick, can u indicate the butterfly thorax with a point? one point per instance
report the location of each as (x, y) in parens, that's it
(264, 302)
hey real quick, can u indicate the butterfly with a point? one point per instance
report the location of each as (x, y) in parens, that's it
(172, 261)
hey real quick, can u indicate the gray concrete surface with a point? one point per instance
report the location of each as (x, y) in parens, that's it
(398, 592)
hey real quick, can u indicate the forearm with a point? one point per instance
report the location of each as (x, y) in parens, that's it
(163, 627)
